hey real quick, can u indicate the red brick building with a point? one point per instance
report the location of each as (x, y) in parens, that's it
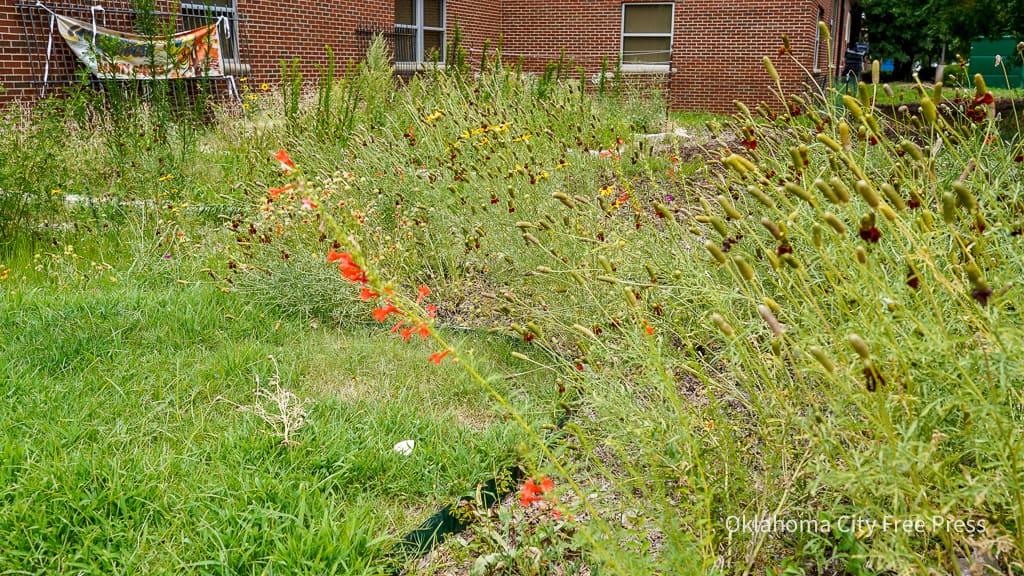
(705, 53)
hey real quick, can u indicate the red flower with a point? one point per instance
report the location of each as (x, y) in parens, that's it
(349, 269)
(424, 291)
(381, 314)
(308, 203)
(286, 162)
(423, 330)
(532, 492)
(407, 333)
(870, 234)
(436, 357)
(749, 143)
(366, 294)
(275, 192)
(431, 311)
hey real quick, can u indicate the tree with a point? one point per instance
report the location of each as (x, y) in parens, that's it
(901, 30)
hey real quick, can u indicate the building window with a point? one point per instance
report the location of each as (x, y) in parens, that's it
(419, 34)
(198, 13)
(647, 35)
(817, 39)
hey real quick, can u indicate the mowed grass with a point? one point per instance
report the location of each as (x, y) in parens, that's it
(123, 451)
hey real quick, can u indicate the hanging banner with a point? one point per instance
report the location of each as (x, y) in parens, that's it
(124, 56)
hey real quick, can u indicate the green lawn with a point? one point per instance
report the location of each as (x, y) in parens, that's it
(123, 452)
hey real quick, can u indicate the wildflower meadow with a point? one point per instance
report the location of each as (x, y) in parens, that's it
(488, 322)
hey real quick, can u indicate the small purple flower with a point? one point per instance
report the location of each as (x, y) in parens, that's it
(669, 198)
(167, 256)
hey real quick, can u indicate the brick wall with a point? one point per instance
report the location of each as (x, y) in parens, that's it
(716, 52)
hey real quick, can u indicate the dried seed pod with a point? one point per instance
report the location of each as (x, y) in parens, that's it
(772, 305)
(949, 207)
(826, 189)
(928, 110)
(770, 68)
(745, 270)
(715, 251)
(773, 228)
(586, 332)
(844, 128)
(876, 72)
(842, 192)
(816, 236)
(937, 93)
(964, 197)
(722, 324)
(868, 193)
(887, 212)
(729, 209)
(862, 255)
(719, 225)
(798, 190)
(980, 89)
(888, 91)
(859, 346)
(531, 238)
(834, 222)
(864, 94)
(630, 296)
(564, 199)
(744, 111)
(854, 107)
(761, 196)
(739, 164)
(664, 211)
(651, 273)
(535, 329)
(790, 260)
(829, 141)
(894, 198)
(822, 359)
(794, 156)
(605, 264)
(776, 327)
(913, 149)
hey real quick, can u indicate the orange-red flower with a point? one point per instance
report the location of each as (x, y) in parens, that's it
(381, 314)
(436, 357)
(286, 162)
(424, 291)
(423, 330)
(532, 492)
(349, 269)
(366, 294)
(275, 192)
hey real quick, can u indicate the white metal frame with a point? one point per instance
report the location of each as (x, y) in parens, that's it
(419, 27)
(658, 67)
(230, 15)
(819, 17)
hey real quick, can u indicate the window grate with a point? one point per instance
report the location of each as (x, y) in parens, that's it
(51, 61)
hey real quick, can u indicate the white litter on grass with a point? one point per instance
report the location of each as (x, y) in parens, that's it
(405, 447)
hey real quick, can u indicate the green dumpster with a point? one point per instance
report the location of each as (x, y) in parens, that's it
(983, 61)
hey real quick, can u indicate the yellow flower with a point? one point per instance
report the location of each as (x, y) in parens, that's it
(245, 106)
(264, 87)
(562, 164)
(168, 177)
(434, 116)
(607, 190)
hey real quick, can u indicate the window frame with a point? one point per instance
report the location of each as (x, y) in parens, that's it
(646, 67)
(203, 8)
(420, 28)
(817, 39)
